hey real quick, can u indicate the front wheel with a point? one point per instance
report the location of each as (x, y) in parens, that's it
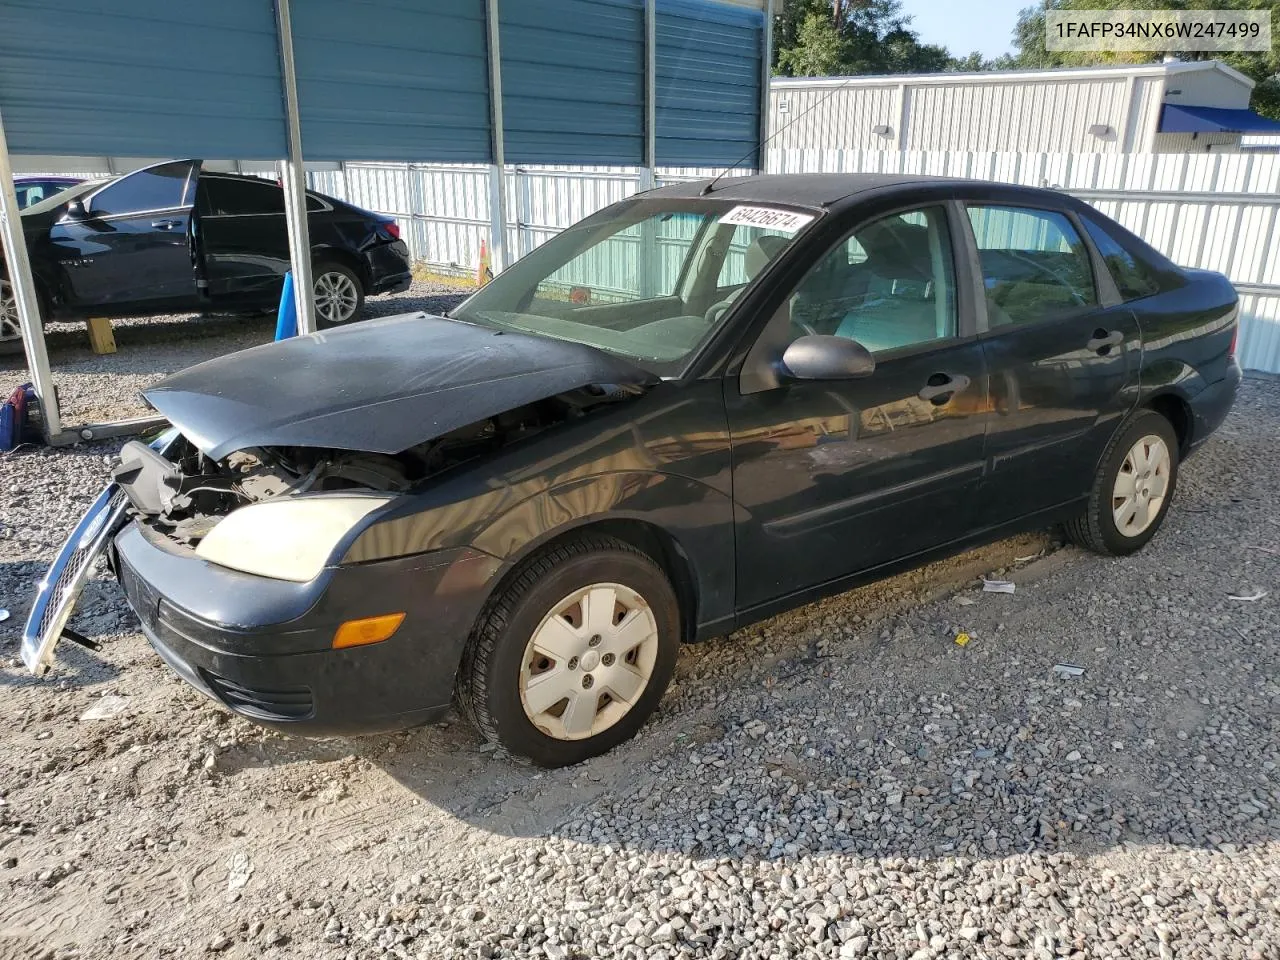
(572, 657)
(1132, 490)
(339, 295)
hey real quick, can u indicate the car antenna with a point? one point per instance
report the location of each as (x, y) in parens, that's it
(768, 140)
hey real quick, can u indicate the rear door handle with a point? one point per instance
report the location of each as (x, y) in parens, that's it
(165, 224)
(941, 386)
(1102, 341)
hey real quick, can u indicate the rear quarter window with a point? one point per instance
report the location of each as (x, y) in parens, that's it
(1138, 270)
(1133, 279)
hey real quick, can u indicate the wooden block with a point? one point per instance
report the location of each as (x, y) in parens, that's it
(101, 339)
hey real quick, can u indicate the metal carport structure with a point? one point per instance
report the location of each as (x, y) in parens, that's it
(626, 82)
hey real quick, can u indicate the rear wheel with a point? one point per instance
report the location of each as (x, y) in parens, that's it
(339, 295)
(572, 657)
(1133, 488)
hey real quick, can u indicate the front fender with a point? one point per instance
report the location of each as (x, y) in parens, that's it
(695, 516)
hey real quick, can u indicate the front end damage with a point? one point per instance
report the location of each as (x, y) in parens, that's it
(184, 494)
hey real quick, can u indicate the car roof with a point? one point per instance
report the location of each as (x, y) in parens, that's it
(826, 189)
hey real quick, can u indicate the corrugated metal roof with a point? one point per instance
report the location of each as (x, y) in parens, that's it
(573, 80)
(708, 82)
(390, 81)
(1019, 76)
(143, 78)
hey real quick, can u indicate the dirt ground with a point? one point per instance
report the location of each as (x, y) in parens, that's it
(171, 828)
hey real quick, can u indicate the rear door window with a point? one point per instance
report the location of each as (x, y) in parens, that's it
(228, 196)
(1034, 265)
(159, 188)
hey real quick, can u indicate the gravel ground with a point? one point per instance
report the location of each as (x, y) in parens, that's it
(96, 388)
(841, 781)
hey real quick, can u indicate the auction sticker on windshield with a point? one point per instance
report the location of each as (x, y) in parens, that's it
(784, 221)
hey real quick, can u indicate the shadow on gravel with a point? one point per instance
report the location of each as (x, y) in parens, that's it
(890, 741)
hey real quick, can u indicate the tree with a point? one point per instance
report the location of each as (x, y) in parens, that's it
(1262, 68)
(818, 50)
(847, 37)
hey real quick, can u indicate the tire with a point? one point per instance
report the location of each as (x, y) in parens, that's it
(10, 331)
(498, 683)
(338, 292)
(1145, 447)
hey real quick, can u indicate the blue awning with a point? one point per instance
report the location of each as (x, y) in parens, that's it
(1179, 119)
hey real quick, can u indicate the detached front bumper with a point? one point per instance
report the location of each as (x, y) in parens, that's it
(263, 648)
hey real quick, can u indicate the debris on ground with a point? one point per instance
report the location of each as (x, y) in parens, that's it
(998, 586)
(1066, 670)
(1248, 598)
(106, 708)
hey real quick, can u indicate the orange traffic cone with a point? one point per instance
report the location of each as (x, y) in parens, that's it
(484, 273)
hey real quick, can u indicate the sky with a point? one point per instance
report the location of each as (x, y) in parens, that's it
(963, 26)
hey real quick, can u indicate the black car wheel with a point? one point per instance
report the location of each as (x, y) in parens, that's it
(572, 657)
(339, 295)
(1133, 488)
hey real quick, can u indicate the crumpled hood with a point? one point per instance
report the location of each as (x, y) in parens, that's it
(380, 386)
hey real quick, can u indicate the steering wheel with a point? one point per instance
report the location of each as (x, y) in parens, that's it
(1049, 272)
(717, 310)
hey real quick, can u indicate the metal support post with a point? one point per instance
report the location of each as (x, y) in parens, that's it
(497, 169)
(293, 178)
(648, 170)
(23, 289)
(766, 75)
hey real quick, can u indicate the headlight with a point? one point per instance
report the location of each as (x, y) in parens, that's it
(285, 539)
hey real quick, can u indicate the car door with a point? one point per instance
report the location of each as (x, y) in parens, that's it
(127, 247)
(241, 237)
(834, 477)
(1063, 355)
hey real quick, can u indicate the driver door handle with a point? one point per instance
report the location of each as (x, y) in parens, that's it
(165, 224)
(941, 386)
(1102, 341)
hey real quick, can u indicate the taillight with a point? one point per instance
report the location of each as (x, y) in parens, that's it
(390, 230)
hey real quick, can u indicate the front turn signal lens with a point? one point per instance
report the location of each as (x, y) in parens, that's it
(358, 633)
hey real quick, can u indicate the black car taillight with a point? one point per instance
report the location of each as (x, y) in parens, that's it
(389, 230)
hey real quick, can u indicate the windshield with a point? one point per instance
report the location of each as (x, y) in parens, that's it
(649, 280)
(62, 196)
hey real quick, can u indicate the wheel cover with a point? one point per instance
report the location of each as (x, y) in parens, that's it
(589, 661)
(1141, 486)
(336, 297)
(10, 327)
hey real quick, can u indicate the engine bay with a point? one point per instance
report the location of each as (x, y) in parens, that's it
(185, 494)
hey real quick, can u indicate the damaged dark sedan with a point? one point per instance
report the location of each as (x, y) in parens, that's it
(694, 409)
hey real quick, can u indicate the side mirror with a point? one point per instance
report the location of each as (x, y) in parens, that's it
(76, 210)
(827, 358)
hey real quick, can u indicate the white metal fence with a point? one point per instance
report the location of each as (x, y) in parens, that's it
(1216, 211)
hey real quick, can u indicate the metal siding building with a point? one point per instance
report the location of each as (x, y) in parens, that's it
(1086, 110)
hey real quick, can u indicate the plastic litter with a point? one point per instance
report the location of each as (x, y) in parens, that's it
(1068, 670)
(1258, 595)
(106, 708)
(4, 615)
(962, 639)
(997, 586)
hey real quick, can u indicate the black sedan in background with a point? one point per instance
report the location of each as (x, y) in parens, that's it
(173, 238)
(692, 410)
(31, 189)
